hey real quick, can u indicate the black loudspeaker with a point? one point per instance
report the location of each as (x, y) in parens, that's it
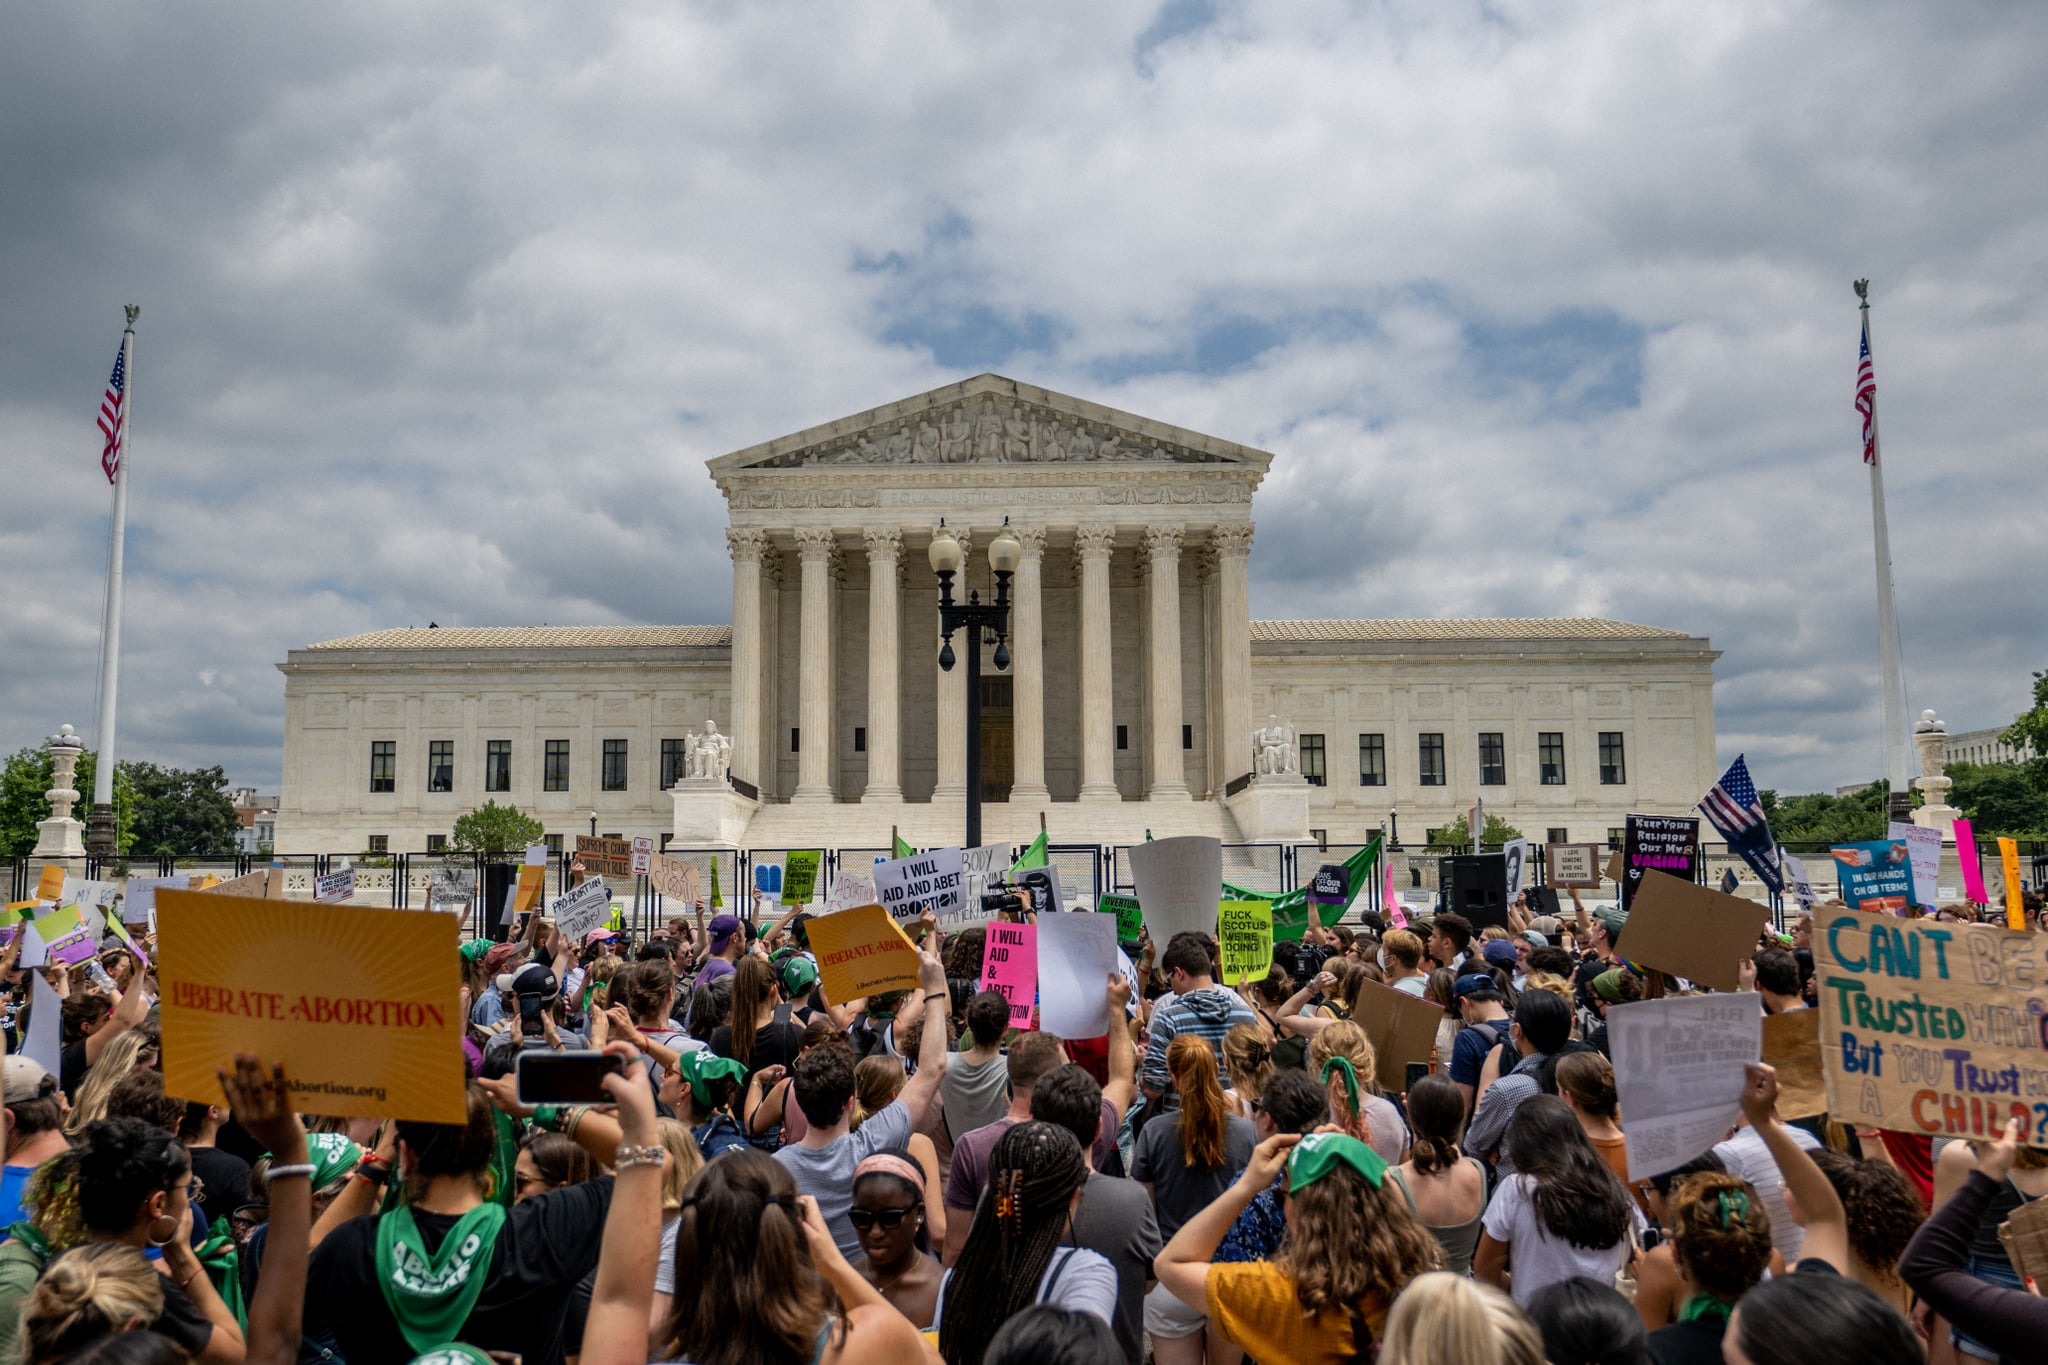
(1476, 887)
(498, 879)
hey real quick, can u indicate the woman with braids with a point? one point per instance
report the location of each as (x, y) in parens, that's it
(1445, 1189)
(761, 1033)
(1014, 1256)
(889, 1204)
(1351, 1247)
(1185, 1159)
(1342, 1058)
(1721, 1243)
(1562, 1213)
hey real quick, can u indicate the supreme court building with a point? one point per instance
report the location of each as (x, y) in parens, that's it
(1137, 675)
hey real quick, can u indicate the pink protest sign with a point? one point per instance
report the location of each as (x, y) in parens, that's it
(1966, 854)
(1009, 965)
(1393, 902)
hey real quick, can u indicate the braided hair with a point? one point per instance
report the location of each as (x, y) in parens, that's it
(1034, 1172)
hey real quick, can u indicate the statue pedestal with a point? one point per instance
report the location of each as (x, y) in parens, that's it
(60, 838)
(1274, 808)
(708, 811)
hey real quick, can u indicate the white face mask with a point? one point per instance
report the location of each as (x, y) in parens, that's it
(1383, 958)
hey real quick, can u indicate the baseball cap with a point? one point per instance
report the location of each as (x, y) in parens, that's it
(25, 1080)
(1472, 983)
(1615, 920)
(1536, 940)
(722, 928)
(533, 980)
(1500, 952)
(599, 933)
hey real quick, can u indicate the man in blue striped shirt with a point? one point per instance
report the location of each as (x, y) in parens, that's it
(1198, 1006)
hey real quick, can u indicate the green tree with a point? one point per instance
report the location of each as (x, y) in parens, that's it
(182, 810)
(27, 775)
(1458, 838)
(2002, 798)
(492, 828)
(2029, 729)
(1823, 817)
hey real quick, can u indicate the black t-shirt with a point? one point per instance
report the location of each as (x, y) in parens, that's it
(71, 1069)
(225, 1178)
(547, 1245)
(775, 1042)
(1689, 1343)
(181, 1320)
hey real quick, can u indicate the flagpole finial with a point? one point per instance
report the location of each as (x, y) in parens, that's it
(134, 311)
(1863, 292)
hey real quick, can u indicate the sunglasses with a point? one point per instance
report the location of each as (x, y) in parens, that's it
(890, 1219)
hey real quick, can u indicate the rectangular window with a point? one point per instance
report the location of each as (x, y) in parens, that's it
(796, 740)
(441, 765)
(383, 765)
(380, 843)
(1123, 736)
(671, 763)
(437, 843)
(1557, 835)
(498, 765)
(554, 843)
(1430, 752)
(1493, 759)
(860, 739)
(554, 776)
(1322, 838)
(1314, 765)
(614, 765)
(1613, 763)
(1550, 757)
(1372, 760)
(1187, 736)
(1615, 834)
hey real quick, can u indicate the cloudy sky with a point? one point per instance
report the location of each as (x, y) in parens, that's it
(1544, 306)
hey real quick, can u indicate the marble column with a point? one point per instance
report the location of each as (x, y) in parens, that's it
(1027, 647)
(1165, 761)
(885, 706)
(814, 549)
(951, 717)
(1092, 545)
(747, 547)
(1233, 547)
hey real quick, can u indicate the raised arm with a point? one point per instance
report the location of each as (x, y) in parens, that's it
(615, 1333)
(1183, 1266)
(921, 1089)
(1123, 1052)
(2013, 1322)
(130, 1008)
(276, 1311)
(1827, 1225)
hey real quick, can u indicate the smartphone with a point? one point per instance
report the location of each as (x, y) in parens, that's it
(1416, 1071)
(546, 1077)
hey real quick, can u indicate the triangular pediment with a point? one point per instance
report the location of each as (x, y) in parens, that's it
(990, 420)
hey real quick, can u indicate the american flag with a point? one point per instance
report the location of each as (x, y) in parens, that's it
(110, 414)
(1733, 808)
(1866, 397)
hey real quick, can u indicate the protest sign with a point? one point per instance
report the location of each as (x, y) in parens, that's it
(603, 857)
(673, 879)
(45, 1041)
(717, 896)
(1792, 1047)
(1009, 967)
(370, 1025)
(1973, 872)
(51, 884)
(1129, 918)
(1516, 851)
(265, 883)
(1692, 931)
(74, 947)
(2009, 863)
(583, 908)
(931, 880)
(1331, 885)
(1076, 955)
(1923, 851)
(525, 894)
(1656, 843)
(138, 898)
(97, 894)
(1875, 874)
(1572, 866)
(979, 866)
(452, 889)
(335, 886)
(1796, 879)
(1678, 1069)
(1402, 1028)
(1180, 884)
(1244, 933)
(1614, 866)
(860, 953)
(1931, 1027)
(643, 854)
(800, 875)
(1040, 889)
(847, 892)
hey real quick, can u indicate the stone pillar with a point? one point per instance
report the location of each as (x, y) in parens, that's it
(952, 708)
(62, 836)
(815, 548)
(1233, 546)
(1027, 647)
(1931, 736)
(747, 547)
(885, 705)
(1092, 545)
(1165, 761)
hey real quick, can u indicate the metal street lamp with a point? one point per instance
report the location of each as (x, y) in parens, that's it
(974, 617)
(593, 824)
(1393, 829)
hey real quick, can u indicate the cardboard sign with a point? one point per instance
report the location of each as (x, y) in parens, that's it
(583, 908)
(1656, 843)
(1516, 851)
(1678, 1069)
(1923, 851)
(2009, 863)
(1692, 931)
(1931, 1027)
(1180, 884)
(611, 858)
(452, 889)
(1331, 885)
(369, 1025)
(1797, 880)
(265, 883)
(1614, 866)
(800, 875)
(1244, 932)
(643, 854)
(1009, 967)
(1129, 917)
(1876, 874)
(673, 879)
(1402, 1028)
(860, 953)
(1792, 1045)
(1076, 955)
(932, 880)
(51, 884)
(847, 892)
(335, 886)
(1973, 872)
(1572, 866)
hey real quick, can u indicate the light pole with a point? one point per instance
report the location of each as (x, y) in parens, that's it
(974, 616)
(1393, 829)
(593, 824)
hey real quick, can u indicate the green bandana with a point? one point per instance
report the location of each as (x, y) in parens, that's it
(1705, 1308)
(476, 948)
(223, 1263)
(701, 1068)
(30, 1236)
(454, 1353)
(1316, 1155)
(1342, 1065)
(332, 1155)
(430, 1296)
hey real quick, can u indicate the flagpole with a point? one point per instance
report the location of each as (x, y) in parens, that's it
(1887, 610)
(100, 830)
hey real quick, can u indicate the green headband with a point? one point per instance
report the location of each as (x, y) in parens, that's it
(700, 1068)
(332, 1156)
(1316, 1155)
(1342, 1065)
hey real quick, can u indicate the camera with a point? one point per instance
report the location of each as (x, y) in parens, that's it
(1031, 893)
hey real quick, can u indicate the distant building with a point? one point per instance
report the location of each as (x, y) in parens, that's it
(1984, 746)
(256, 814)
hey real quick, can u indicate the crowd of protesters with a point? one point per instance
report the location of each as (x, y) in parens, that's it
(779, 1176)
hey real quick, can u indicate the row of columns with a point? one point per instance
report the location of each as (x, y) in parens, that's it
(1229, 662)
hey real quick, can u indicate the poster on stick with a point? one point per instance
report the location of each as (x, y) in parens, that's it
(1657, 843)
(333, 886)
(1009, 967)
(1876, 874)
(1572, 866)
(1973, 871)
(932, 880)
(1076, 955)
(861, 952)
(1244, 933)
(1923, 851)
(1180, 884)
(2009, 865)
(601, 857)
(1931, 1027)
(1692, 931)
(1678, 1069)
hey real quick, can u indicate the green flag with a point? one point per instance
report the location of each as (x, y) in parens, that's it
(1032, 856)
(1290, 911)
(903, 850)
(717, 898)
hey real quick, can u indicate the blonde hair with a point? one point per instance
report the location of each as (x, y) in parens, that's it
(1249, 1059)
(602, 971)
(685, 1160)
(1446, 1319)
(877, 1080)
(1347, 1040)
(1557, 986)
(113, 1067)
(87, 1293)
(1403, 947)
